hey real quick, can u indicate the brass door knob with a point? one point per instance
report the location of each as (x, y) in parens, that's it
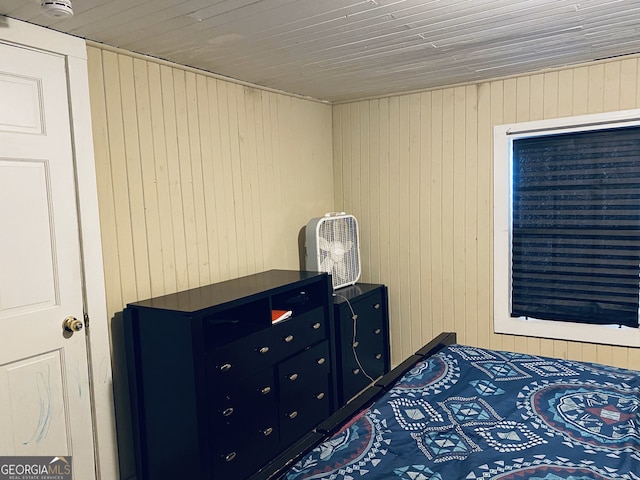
(72, 324)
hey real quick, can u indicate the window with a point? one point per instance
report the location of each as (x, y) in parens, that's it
(567, 228)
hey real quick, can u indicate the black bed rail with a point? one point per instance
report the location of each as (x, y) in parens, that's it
(278, 467)
(434, 346)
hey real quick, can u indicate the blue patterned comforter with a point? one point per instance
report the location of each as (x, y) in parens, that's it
(471, 413)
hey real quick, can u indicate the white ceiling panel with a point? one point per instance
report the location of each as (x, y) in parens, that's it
(337, 50)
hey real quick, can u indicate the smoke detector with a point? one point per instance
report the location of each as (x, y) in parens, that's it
(57, 8)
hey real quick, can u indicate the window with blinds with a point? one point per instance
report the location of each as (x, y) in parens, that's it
(575, 226)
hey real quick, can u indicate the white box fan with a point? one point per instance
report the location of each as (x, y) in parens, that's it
(332, 246)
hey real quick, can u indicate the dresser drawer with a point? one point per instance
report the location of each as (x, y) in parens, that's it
(369, 308)
(304, 391)
(354, 374)
(301, 414)
(371, 359)
(298, 332)
(238, 455)
(267, 347)
(305, 372)
(240, 403)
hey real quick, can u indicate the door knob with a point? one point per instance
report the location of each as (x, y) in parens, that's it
(72, 324)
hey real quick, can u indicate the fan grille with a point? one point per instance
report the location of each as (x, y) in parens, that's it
(339, 249)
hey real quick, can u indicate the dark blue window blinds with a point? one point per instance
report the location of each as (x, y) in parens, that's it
(576, 227)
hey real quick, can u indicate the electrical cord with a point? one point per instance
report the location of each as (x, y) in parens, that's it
(354, 317)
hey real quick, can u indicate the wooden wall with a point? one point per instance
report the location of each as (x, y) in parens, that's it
(200, 179)
(416, 170)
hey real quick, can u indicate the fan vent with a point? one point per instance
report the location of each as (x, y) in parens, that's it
(332, 246)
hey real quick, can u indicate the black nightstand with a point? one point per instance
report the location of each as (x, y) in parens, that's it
(362, 345)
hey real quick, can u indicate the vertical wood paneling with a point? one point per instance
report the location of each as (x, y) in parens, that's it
(432, 154)
(384, 210)
(338, 154)
(353, 174)
(103, 170)
(436, 300)
(484, 229)
(412, 242)
(365, 183)
(199, 203)
(119, 178)
(213, 184)
(400, 225)
(470, 253)
(536, 107)
(132, 163)
(424, 316)
(174, 194)
(149, 178)
(580, 91)
(374, 191)
(184, 208)
(458, 176)
(393, 227)
(200, 179)
(495, 117)
(550, 95)
(628, 83)
(447, 226)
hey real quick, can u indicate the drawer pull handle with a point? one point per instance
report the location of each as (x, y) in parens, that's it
(355, 344)
(377, 331)
(378, 356)
(356, 371)
(264, 350)
(293, 377)
(226, 367)
(320, 395)
(292, 415)
(316, 325)
(376, 306)
(321, 361)
(230, 456)
(227, 411)
(288, 338)
(267, 431)
(265, 390)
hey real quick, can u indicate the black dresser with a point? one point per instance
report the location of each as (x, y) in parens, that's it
(362, 343)
(217, 388)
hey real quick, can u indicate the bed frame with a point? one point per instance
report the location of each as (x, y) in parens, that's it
(328, 427)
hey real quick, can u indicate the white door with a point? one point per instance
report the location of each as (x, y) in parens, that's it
(45, 407)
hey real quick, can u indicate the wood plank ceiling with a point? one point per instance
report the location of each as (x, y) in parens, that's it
(337, 50)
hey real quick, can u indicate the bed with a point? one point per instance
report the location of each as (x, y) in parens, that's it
(458, 412)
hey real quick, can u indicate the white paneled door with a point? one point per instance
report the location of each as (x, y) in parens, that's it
(44, 386)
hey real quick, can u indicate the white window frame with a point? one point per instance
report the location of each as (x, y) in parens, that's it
(503, 136)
